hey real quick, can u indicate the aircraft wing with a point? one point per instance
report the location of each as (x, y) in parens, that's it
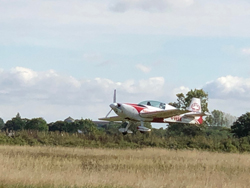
(163, 113)
(113, 118)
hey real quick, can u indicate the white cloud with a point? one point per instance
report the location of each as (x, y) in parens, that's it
(143, 68)
(246, 51)
(229, 94)
(24, 75)
(64, 24)
(54, 96)
(229, 87)
(148, 5)
(181, 89)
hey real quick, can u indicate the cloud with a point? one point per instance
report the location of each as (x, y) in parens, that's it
(181, 89)
(148, 5)
(229, 87)
(63, 24)
(229, 94)
(55, 96)
(246, 51)
(120, 6)
(143, 68)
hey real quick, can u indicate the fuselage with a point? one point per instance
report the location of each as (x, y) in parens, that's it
(132, 112)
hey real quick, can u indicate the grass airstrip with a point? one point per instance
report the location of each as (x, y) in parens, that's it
(38, 166)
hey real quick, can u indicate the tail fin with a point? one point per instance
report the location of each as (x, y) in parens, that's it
(195, 105)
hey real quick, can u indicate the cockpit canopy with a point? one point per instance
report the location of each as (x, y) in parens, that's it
(156, 104)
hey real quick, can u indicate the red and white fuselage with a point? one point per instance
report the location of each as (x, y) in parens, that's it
(139, 112)
(154, 111)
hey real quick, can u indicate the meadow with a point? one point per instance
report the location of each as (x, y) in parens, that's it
(46, 166)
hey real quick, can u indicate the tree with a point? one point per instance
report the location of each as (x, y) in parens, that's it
(37, 124)
(184, 101)
(16, 123)
(218, 132)
(178, 129)
(229, 120)
(159, 132)
(216, 118)
(112, 128)
(84, 125)
(241, 127)
(1, 123)
(180, 101)
(219, 118)
(59, 126)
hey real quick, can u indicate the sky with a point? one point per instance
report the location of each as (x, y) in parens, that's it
(65, 58)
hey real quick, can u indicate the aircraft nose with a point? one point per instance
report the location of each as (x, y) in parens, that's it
(114, 105)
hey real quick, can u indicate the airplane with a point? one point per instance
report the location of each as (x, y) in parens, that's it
(153, 111)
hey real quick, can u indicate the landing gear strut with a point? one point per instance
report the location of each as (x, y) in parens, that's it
(125, 130)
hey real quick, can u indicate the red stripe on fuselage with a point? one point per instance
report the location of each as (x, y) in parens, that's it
(138, 108)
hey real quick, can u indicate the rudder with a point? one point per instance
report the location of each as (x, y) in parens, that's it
(195, 105)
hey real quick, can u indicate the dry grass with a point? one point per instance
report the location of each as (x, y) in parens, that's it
(60, 167)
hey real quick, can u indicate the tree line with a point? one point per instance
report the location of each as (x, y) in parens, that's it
(219, 131)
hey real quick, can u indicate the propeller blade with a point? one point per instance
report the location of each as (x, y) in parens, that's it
(114, 99)
(109, 113)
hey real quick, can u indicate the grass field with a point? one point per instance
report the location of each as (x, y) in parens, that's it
(24, 166)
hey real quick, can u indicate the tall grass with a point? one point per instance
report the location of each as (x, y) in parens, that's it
(25, 166)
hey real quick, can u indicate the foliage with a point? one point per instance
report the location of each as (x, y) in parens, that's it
(218, 132)
(208, 138)
(85, 125)
(37, 124)
(161, 133)
(85, 133)
(112, 128)
(178, 129)
(241, 127)
(184, 101)
(216, 118)
(15, 123)
(59, 126)
(219, 118)
(1, 123)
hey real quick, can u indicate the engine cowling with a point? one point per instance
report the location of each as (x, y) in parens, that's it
(143, 129)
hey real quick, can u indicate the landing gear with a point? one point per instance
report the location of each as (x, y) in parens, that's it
(140, 128)
(143, 129)
(125, 130)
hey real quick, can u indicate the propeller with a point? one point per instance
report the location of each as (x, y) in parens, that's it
(114, 101)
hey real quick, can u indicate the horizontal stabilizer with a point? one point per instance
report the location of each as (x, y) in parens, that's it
(195, 114)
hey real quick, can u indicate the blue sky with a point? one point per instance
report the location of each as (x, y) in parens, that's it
(64, 58)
